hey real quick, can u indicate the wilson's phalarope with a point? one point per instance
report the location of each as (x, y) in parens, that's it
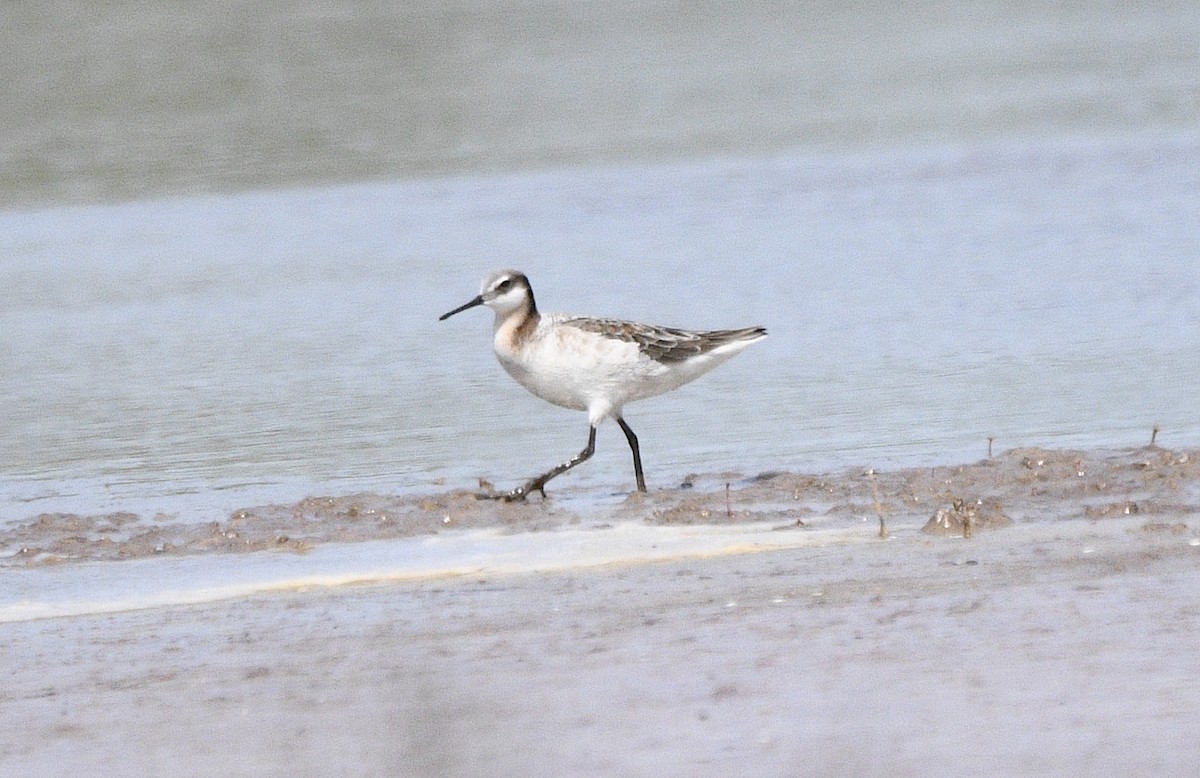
(594, 365)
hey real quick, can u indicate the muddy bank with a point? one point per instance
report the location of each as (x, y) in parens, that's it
(1018, 486)
(1046, 648)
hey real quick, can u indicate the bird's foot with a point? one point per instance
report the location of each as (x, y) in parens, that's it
(516, 495)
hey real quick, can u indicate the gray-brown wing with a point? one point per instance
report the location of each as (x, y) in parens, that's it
(664, 344)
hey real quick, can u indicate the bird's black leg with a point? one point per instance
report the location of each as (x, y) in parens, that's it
(637, 454)
(539, 484)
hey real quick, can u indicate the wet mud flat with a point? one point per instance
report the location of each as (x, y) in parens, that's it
(1062, 643)
(1158, 487)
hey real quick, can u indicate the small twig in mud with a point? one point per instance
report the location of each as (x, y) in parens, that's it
(728, 507)
(1153, 434)
(883, 533)
(990, 438)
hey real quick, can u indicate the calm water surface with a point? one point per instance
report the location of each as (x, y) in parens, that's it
(918, 303)
(1012, 254)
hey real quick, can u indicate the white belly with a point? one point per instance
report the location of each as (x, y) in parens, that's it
(585, 371)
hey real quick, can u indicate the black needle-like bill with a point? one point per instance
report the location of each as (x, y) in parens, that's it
(477, 301)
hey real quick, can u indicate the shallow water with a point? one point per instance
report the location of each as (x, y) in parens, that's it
(918, 304)
(134, 98)
(1011, 254)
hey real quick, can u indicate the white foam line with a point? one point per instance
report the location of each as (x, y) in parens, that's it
(110, 587)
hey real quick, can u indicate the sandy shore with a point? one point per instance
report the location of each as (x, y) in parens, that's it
(1059, 639)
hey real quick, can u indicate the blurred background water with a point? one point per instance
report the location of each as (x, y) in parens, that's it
(227, 233)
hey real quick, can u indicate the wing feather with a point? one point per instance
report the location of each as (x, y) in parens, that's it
(664, 344)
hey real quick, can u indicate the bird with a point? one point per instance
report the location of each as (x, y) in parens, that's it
(591, 364)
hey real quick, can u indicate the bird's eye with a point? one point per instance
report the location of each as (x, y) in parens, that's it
(504, 285)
